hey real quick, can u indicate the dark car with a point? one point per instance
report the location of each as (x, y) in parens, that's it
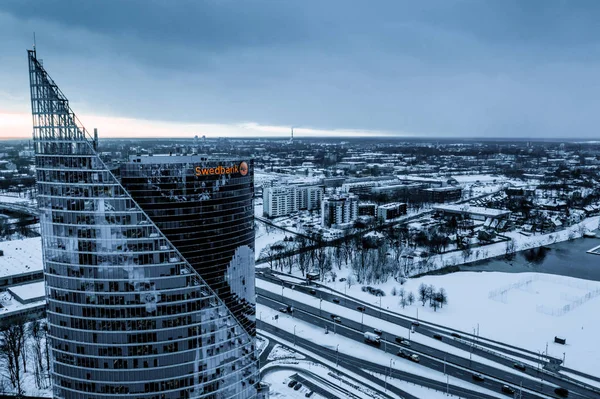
(309, 394)
(343, 279)
(292, 383)
(404, 354)
(313, 292)
(336, 300)
(297, 387)
(455, 335)
(360, 308)
(437, 336)
(478, 377)
(416, 323)
(562, 392)
(519, 366)
(507, 390)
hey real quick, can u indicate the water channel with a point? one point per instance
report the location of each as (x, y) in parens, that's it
(568, 258)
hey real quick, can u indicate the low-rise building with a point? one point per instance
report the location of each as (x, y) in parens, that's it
(339, 210)
(391, 211)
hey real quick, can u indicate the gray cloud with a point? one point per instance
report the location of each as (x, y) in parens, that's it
(460, 68)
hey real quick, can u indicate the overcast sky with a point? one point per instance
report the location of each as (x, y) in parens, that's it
(447, 68)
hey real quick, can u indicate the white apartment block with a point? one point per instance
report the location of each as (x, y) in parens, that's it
(339, 210)
(283, 200)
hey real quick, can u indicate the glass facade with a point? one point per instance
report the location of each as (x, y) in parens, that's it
(208, 216)
(128, 314)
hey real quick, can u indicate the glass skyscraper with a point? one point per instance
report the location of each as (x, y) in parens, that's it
(129, 313)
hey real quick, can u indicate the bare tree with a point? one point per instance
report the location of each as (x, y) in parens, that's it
(410, 298)
(434, 305)
(423, 291)
(403, 298)
(303, 257)
(431, 293)
(441, 297)
(35, 333)
(11, 351)
(510, 250)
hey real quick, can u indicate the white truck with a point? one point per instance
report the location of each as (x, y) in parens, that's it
(372, 338)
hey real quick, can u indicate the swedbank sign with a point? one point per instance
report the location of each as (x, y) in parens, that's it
(241, 168)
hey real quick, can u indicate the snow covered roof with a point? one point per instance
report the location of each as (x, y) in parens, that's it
(21, 256)
(27, 293)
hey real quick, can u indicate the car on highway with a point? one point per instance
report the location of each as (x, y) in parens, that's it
(308, 394)
(378, 331)
(404, 354)
(562, 392)
(437, 336)
(336, 300)
(297, 387)
(416, 323)
(478, 377)
(508, 390)
(360, 308)
(283, 310)
(313, 292)
(519, 366)
(292, 383)
(455, 335)
(337, 319)
(415, 358)
(403, 341)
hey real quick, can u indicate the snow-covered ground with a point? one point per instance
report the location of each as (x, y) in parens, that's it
(521, 309)
(264, 238)
(281, 352)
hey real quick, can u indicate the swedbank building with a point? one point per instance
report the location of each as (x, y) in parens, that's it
(149, 275)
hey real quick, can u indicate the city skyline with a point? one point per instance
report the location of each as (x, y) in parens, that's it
(443, 69)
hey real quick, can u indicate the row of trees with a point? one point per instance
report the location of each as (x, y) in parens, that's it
(24, 345)
(437, 299)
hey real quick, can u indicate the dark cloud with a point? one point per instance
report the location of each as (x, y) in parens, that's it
(463, 67)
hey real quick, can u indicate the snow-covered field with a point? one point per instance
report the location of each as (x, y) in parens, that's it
(522, 309)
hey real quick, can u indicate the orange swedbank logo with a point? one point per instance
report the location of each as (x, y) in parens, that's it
(242, 169)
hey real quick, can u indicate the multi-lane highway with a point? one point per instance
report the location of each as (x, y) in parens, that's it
(457, 366)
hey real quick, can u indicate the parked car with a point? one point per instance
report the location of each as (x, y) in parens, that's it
(455, 335)
(437, 336)
(519, 366)
(378, 331)
(297, 387)
(478, 377)
(336, 300)
(343, 279)
(508, 390)
(562, 392)
(292, 383)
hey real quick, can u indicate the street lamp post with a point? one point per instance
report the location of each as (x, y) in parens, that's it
(320, 302)
(362, 317)
(260, 316)
(294, 335)
(337, 356)
(282, 292)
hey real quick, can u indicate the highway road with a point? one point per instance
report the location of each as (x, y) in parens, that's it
(359, 365)
(463, 343)
(455, 365)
